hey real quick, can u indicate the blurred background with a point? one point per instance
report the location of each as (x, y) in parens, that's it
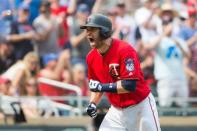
(43, 73)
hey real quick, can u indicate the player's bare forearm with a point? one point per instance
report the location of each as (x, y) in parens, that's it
(95, 97)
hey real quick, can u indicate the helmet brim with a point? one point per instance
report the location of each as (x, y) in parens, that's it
(89, 25)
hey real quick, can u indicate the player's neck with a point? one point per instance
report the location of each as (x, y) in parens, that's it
(106, 44)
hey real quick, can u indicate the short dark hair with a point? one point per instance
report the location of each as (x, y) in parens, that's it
(121, 4)
(45, 3)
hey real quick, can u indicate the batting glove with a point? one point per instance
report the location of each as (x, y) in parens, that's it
(95, 85)
(92, 110)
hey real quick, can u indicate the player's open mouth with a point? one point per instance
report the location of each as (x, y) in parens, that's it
(91, 39)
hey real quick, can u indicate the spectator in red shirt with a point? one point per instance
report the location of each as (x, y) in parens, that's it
(192, 5)
(53, 69)
(4, 86)
(61, 12)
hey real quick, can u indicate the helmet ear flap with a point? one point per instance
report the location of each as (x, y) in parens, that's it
(104, 33)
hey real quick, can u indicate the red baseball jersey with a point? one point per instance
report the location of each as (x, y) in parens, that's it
(120, 62)
(56, 12)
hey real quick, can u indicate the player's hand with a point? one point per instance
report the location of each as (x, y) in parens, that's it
(95, 86)
(91, 110)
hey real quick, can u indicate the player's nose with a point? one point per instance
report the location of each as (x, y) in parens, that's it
(87, 32)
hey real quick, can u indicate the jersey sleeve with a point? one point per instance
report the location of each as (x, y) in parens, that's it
(129, 64)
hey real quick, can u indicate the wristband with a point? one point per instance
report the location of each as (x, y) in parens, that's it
(109, 87)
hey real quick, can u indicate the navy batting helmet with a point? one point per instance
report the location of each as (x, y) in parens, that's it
(100, 21)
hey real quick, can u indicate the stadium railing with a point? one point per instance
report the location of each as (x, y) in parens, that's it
(66, 87)
(78, 109)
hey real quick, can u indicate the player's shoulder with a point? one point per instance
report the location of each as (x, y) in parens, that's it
(122, 45)
(91, 54)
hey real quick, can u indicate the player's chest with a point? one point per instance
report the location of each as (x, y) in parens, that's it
(106, 68)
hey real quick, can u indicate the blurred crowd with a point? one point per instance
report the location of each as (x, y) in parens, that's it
(42, 39)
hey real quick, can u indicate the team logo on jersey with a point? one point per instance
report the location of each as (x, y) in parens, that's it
(114, 70)
(129, 63)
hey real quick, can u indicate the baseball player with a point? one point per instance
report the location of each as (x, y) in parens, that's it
(114, 68)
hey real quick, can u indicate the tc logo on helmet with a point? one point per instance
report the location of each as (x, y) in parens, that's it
(89, 20)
